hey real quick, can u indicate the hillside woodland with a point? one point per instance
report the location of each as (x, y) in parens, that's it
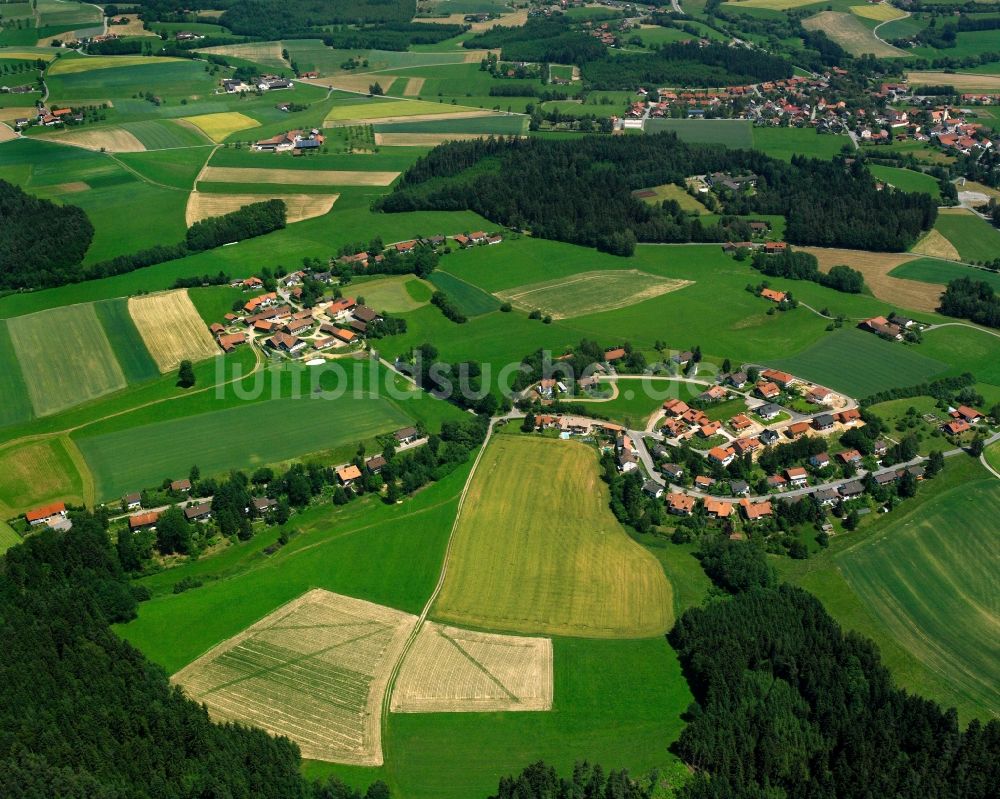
(580, 191)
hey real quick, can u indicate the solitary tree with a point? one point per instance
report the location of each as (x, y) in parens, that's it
(185, 375)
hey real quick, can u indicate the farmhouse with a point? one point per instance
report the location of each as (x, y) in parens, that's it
(773, 296)
(346, 336)
(970, 415)
(132, 501)
(50, 514)
(263, 301)
(232, 341)
(956, 427)
(286, 343)
(348, 474)
(365, 314)
(882, 327)
(198, 513)
(143, 521)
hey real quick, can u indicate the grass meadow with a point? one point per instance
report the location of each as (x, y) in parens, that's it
(907, 179)
(36, 472)
(471, 300)
(165, 134)
(975, 239)
(931, 270)
(861, 363)
(393, 294)
(172, 81)
(14, 403)
(130, 351)
(785, 142)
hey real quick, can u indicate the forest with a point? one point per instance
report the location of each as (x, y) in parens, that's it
(273, 19)
(970, 299)
(805, 266)
(247, 222)
(580, 191)
(540, 40)
(35, 255)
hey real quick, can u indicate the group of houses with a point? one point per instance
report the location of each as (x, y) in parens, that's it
(263, 83)
(362, 260)
(893, 328)
(292, 140)
(963, 418)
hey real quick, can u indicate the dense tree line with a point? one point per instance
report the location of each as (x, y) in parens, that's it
(805, 266)
(686, 64)
(448, 307)
(787, 704)
(540, 781)
(580, 191)
(974, 300)
(941, 389)
(41, 243)
(550, 40)
(389, 36)
(274, 19)
(247, 222)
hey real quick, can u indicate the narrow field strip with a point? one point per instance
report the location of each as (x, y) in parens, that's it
(171, 328)
(297, 177)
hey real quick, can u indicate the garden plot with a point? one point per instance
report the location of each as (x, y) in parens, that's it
(315, 670)
(171, 328)
(301, 177)
(450, 670)
(590, 292)
(203, 205)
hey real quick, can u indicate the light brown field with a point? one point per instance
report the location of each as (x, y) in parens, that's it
(936, 246)
(450, 670)
(352, 82)
(876, 266)
(513, 20)
(298, 177)
(202, 205)
(423, 139)
(17, 112)
(590, 292)
(114, 140)
(171, 328)
(413, 87)
(849, 32)
(263, 53)
(6, 134)
(962, 81)
(315, 670)
(339, 123)
(134, 27)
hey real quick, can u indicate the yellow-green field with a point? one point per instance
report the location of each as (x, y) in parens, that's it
(37, 472)
(394, 294)
(70, 66)
(32, 55)
(385, 110)
(65, 356)
(671, 191)
(8, 537)
(850, 33)
(883, 12)
(962, 81)
(218, 127)
(536, 550)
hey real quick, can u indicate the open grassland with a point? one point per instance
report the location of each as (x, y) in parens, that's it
(849, 32)
(300, 177)
(450, 670)
(244, 436)
(860, 363)
(536, 550)
(880, 12)
(73, 66)
(171, 328)
(219, 127)
(935, 245)
(975, 239)
(166, 134)
(962, 81)
(471, 300)
(202, 205)
(176, 168)
(393, 294)
(38, 472)
(315, 670)
(930, 579)
(670, 191)
(785, 142)
(133, 357)
(172, 80)
(730, 132)
(114, 140)
(8, 537)
(65, 357)
(878, 267)
(590, 292)
(966, 348)
(266, 53)
(929, 270)
(907, 179)
(14, 403)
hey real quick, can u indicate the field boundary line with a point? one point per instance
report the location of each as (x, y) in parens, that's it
(489, 675)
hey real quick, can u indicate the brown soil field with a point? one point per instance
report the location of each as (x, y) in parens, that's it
(875, 266)
(17, 112)
(936, 246)
(300, 177)
(423, 139)
(314, 670)
(134, 27)
(450, 670)
(413, 87)
(113, 140)
(74, 186)
(962, 81)
(352, 82)
(171, 328)
(6, 134)
(202, 205)
(340, 123)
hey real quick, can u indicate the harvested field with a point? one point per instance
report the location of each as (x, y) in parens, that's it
(449, 670)
(413, 87)
(881, 12)
(513, 20)
(537, 550)
(266, 53)
(6, 134)
(876, 266)
(134, 27)
(172, 328)
(936, 246)
(771, 5)
(301, 177)
(962, 81)
(396, 111)
(220, 126)
(424, 139)
(65, 357)
(314, 670)
(590, 292)
(851, 34)
(17, 112)
(352, 83)
(202, 205)
(114, 140)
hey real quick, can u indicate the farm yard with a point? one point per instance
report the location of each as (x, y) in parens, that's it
(170, 326)
(450, 670)
(315, 670)
(569, 576)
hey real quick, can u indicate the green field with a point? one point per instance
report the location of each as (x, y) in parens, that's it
(14, 403)
(975, 239)
(562, 565)
(165, 134)
(670, 191)
(171, 81)
(730, 132)
(172, 168)
(393, 294)
(930, 580)
(8, 537)
(472, 301)
(65, 357)
(785, 142)
(37, 472)
(907, 179)
(129, 349)
(931, 270)
(860, 363)
(500, 124)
